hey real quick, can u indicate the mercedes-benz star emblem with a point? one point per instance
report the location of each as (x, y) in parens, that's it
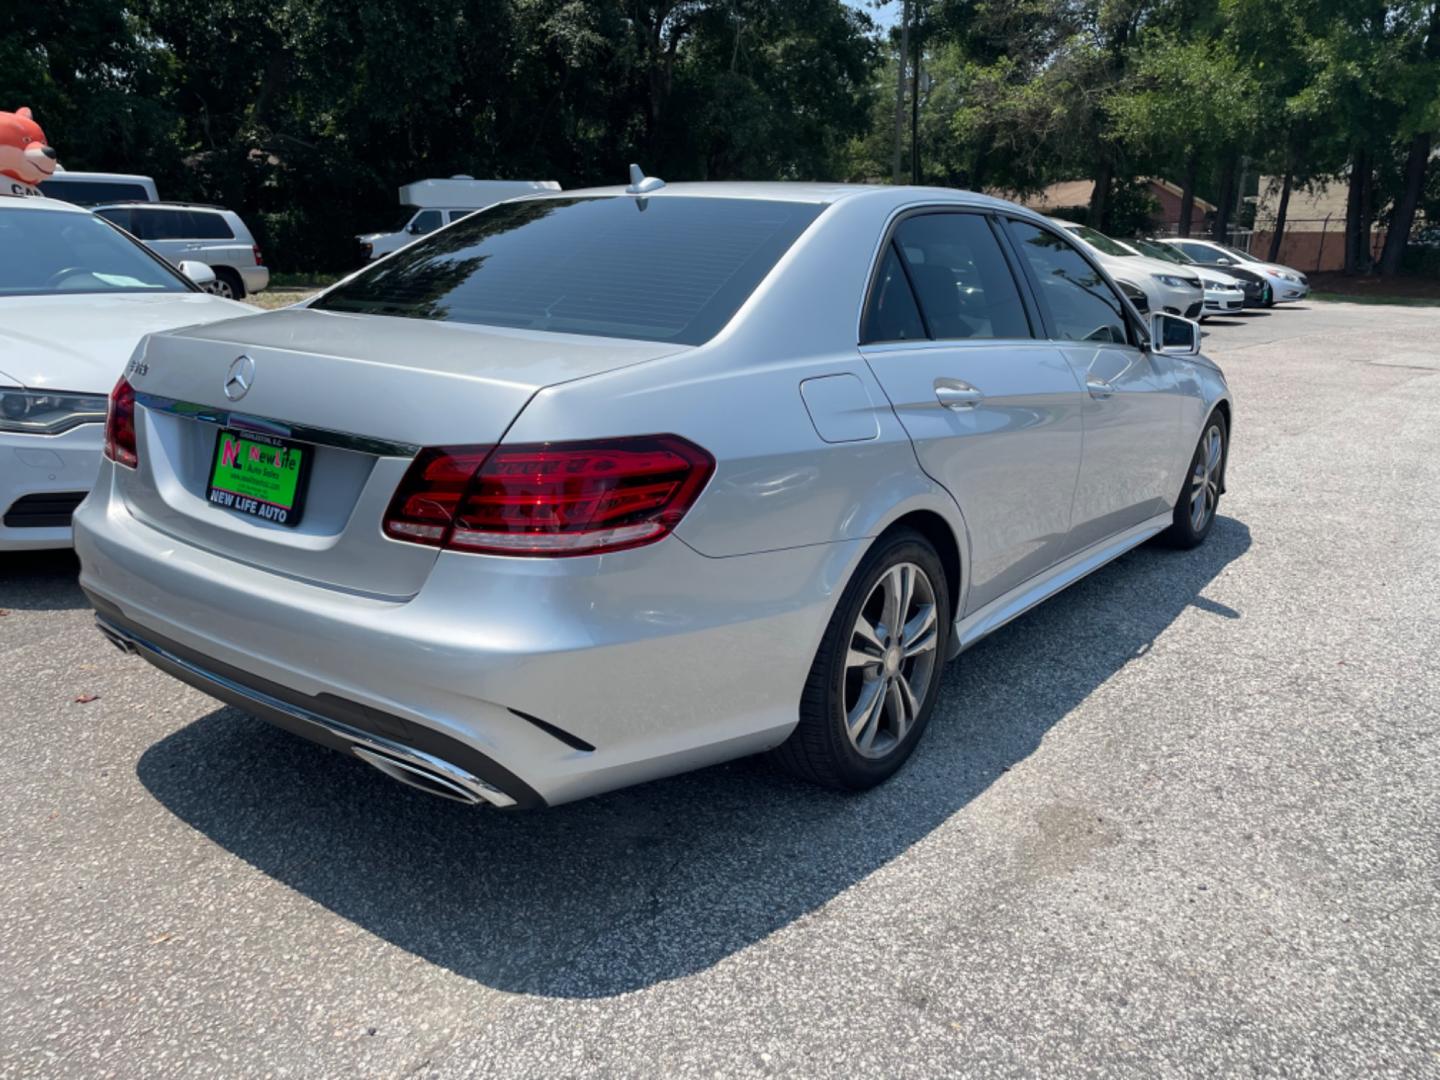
(239, 378)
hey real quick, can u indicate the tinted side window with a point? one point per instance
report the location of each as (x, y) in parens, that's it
(1081, 305)
(892, 314)
(161, 224)
(965, 286)
(122, 216)
(90, 192)
(204, 225)
(1199, 252)
(426, 221)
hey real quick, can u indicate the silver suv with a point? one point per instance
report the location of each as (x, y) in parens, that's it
(208, 234)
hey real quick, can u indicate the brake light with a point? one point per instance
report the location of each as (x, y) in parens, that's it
(549, 499)
(120, 426)
(259, 259)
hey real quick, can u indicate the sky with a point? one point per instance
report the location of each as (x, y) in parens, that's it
(887, 15)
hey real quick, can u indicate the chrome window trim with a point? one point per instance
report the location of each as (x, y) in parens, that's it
(340, 440)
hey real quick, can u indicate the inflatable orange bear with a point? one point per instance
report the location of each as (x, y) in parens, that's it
(24, 155)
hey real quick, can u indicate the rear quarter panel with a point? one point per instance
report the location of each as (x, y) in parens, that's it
(777, 483)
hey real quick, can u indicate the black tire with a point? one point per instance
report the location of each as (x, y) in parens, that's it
(1184, 532)
(821, 749)
(230, 278)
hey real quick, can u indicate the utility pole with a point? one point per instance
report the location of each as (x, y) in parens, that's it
(900, 90)
(915, 103)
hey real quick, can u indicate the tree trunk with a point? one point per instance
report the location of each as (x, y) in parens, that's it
(1278, 233)
(1404, 216)
(900, 91)
(1187, 194)
(1355, 198)
(1220, 230)
(1100, 197)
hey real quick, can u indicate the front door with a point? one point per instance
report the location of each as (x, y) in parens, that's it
(995, 415)
(1132, 406)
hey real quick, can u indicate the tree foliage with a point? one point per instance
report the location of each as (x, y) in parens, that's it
(305, 115)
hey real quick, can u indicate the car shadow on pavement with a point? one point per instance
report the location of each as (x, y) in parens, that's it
(664, 880)
(40, 581)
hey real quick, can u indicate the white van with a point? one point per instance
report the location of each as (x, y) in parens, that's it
(436, 203)
(94, 188)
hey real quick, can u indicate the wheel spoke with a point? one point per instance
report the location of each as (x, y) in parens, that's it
(869, 639)
(923, 639)
(897, 584)
(864, 718)
(903, 707)
(918, 627)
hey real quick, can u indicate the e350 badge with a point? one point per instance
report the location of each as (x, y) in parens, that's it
(136, 368)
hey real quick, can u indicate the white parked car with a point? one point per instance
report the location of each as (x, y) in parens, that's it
(433, 204)
(1222, 292)
(1285, 283)
(94, 188)
(210, 234)
(71, 313)
(1171, 289)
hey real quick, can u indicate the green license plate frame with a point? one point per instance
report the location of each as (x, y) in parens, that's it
(259, 476)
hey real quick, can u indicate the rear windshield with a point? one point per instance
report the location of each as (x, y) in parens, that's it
(672, 268)
(1164, 251)
(1099, 241)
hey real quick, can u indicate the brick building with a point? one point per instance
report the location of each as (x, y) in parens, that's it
(1075, 194)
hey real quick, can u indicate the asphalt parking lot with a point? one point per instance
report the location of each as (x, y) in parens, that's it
(1184, 820)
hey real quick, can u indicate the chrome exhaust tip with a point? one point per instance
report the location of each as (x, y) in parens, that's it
(120, 641)
(459, 787)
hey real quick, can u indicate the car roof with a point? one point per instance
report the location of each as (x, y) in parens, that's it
(792, 191)
(127, 203)
(74, 175)
(40, 202)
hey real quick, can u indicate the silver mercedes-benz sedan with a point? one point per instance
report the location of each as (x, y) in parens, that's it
(597, 487)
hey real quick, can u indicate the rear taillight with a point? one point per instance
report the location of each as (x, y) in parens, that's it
(120, 426)
(259, 258)
(549, 498)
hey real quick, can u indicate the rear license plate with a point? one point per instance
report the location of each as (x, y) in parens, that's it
(259, 475)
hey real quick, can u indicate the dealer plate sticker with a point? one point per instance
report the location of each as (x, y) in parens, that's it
(260, 476)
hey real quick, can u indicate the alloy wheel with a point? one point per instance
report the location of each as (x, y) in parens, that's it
(1205, 479)
(891, 660)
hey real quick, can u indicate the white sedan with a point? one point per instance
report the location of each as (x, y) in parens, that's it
(76, 295)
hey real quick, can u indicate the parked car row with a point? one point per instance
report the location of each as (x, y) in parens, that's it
(1194, 278)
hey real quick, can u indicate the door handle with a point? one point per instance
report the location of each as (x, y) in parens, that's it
(1098, 388)
(954, 394)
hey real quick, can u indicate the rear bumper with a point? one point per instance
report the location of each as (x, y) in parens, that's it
(33, 467)
(660, 659)
(256, 278)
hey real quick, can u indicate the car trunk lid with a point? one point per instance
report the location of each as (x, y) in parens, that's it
(358, 395)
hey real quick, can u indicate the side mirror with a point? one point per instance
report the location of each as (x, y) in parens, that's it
(1221, 260)
(198, 272)
(413, 229)
(1171, 335)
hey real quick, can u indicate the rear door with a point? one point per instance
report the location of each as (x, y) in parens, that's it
(162, 229)
(994, 413)
(211, 240)
(1132, 407)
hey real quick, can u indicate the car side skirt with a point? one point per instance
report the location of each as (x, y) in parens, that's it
(978, 624)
